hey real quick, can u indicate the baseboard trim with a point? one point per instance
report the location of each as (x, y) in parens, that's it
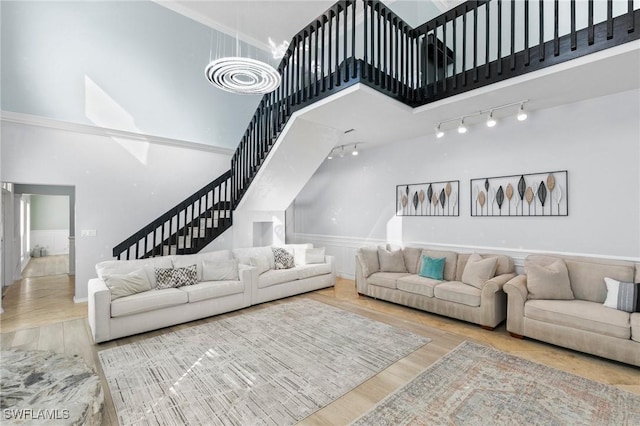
(80, 299)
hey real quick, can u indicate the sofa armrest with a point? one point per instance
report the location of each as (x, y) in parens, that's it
(517, 293)
(496, 283)
(249, 276)
(99, 310)
(362, 286)
(331, 260)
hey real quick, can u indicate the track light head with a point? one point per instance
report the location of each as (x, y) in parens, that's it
(462, 128)
(439, 132)
(355, 150)
(522, 115)
(342, 151)
(491, 122)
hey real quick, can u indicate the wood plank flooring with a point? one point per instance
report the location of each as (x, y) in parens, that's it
(46, 266)
(55, 323)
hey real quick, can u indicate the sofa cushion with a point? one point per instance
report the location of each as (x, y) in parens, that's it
(417, 285)
(412, 259)
(212, 289)
(581, 315)
(622, 296)
(277, 276)
(386, 279)
(282, 258)
(313, 270)
(432, 268)
(221, 270)
(449, 264)
(548, 281)
(121, 285)
(182, 260)
(504, 264)
(310, 256)
(261, 263)
(243, 254)
(120, 267)
(478, 271)
(458, 292)
(368, 259)
(147, 301)
(635, 326)
(391, 261)
(587, 274)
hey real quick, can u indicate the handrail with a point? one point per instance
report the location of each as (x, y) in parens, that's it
(363, 41)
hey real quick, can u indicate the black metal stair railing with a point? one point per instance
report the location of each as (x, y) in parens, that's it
(361, 41)
(186, 228)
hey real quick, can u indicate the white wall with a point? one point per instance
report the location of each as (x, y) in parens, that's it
(351, 202)
(120, 185)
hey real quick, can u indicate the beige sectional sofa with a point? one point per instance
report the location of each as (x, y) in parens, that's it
(482, 303)
(116, 312)
(564, 305)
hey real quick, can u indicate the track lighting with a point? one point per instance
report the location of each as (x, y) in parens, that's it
(439, 130)
(340, 151)
(521, 114)
(491, 122)
(462, 128)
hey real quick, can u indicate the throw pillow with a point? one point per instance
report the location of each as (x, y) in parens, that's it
(368, 259)
(432, 268)
(164, 278)
(187, 275)
(121, 285)
(478, 271)
(222, 270)
(391, 261)
(412, 258)
(548, 282)
(622, 296)
(282, 258)
(261, 263)
(312, 255)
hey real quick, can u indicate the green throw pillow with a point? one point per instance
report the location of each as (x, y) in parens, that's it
(432, 268)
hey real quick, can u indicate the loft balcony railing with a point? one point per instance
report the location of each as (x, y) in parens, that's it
(472, 45)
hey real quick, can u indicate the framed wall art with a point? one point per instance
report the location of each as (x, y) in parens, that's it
(428, 199)
(532, 194)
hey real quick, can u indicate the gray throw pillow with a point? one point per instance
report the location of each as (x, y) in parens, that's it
(282, 258)
(121, 285)
(391, 261)
(548, 282)
(368, 258)
(478, 271)
(623, 296)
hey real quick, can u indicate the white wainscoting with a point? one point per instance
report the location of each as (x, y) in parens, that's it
(344, 250)
(56, 241)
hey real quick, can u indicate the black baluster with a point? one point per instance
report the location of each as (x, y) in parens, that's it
(609, 19)
(590, 36)
(527, 53)
(541, 45)
(556, 25)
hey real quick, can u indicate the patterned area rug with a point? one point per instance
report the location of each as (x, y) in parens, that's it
(274, 366)
(478, 385)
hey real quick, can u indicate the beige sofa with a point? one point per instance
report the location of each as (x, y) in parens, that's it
(576, 319)
(308, 274)
(153, 309)
(483, 304)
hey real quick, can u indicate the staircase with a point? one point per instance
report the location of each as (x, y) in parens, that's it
(470, 46)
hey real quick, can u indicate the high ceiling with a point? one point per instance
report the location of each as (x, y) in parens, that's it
(257, 21)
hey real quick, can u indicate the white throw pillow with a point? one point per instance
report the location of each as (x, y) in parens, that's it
(261, 263)
(121, 285)
(223, 270)
(622, 296)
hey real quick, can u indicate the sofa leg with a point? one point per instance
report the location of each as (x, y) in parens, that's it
(486, 327)
(516, 336)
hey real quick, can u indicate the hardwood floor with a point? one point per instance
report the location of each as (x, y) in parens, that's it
(45, 266)
(37, 319)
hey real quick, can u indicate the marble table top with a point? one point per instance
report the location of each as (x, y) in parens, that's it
(41, 387)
